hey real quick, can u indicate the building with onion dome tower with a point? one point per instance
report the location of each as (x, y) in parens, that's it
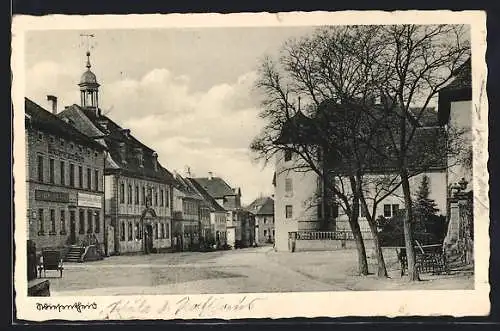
(89, 89)
(137, 189)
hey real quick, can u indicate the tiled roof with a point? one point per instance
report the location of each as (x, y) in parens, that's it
(334, 120)
(113, 136)
(261, 206)
(215, 186)
(187, 188)
(296, 128)
(208, 198)
(45, 120)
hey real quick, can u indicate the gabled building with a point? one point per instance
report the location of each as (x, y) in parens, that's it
(239, 222)
(188, 210)
(138, 189)
(216, 232)
(226, 196)
(263, 210)
(64, 181)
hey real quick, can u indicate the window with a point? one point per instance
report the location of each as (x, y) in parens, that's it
(51, 171)
(122, 231)
(81, 221)
(288, 185)
(137, 194)
(130, 231)
(387, 211)
(89, 178)
(40, 136)
(288, 155)
(143, 195)
(157, 231)
(41, 227)
(167, 198)
(265, 233)
(162, 198)
(63, 221)
(80, 177)
(288, 211)
(62, 173)
(90, 226)
(395, 209)
(137, 231)
(166, 233)
(163, 230)
(40, 168)
(62, 142)
(122, 193)
(52, 221)
(156, 197)
(71, 175)
(96, 180)
(52, 140)
(97, 222)
(129, 194)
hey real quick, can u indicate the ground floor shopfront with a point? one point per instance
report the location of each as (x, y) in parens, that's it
(145, 233)
(59, 217)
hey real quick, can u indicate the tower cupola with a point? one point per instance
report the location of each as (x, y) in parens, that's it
(89, 89)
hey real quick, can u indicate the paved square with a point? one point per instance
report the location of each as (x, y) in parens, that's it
(243, 271)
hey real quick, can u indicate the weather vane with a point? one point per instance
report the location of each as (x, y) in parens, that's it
(88, 36)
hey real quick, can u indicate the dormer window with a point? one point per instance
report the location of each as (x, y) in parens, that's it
(40, 136)
(139, 156)
(126, 132)
(155, 161)
(123, 152)
(52, 139)
(62, 142)
(288, 155)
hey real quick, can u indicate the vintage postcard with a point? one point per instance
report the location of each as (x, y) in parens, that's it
(199, 166)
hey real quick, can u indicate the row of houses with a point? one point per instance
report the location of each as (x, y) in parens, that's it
(301, 202)
(91, 182)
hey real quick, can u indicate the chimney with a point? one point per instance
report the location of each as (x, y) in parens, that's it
(53, 102)
(155, 161)
(188, 172)
(210, 175)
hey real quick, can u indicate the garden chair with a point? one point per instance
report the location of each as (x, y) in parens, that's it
(50, 260)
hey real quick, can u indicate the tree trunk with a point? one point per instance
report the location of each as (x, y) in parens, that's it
(356, 230)
(407, 227)
(360, 247)
(381, 268)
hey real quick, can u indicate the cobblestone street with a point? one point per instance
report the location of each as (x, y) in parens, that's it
(247, 270)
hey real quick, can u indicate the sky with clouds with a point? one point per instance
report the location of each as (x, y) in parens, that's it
(187, 93)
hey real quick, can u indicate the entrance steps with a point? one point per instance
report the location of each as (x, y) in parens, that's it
(74, 254)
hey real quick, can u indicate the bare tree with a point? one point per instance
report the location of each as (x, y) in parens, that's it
(347, 67)
(418, 60)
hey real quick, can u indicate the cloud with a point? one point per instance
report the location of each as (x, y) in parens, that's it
(209, 130)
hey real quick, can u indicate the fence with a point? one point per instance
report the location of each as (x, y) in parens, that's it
(323, 240)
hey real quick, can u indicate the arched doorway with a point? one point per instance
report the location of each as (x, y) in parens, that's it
(147, 217)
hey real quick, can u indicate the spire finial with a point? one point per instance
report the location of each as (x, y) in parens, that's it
(88, 36)
(88, 60)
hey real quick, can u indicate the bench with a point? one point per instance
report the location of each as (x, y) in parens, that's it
(50, 260)
(428, 259)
